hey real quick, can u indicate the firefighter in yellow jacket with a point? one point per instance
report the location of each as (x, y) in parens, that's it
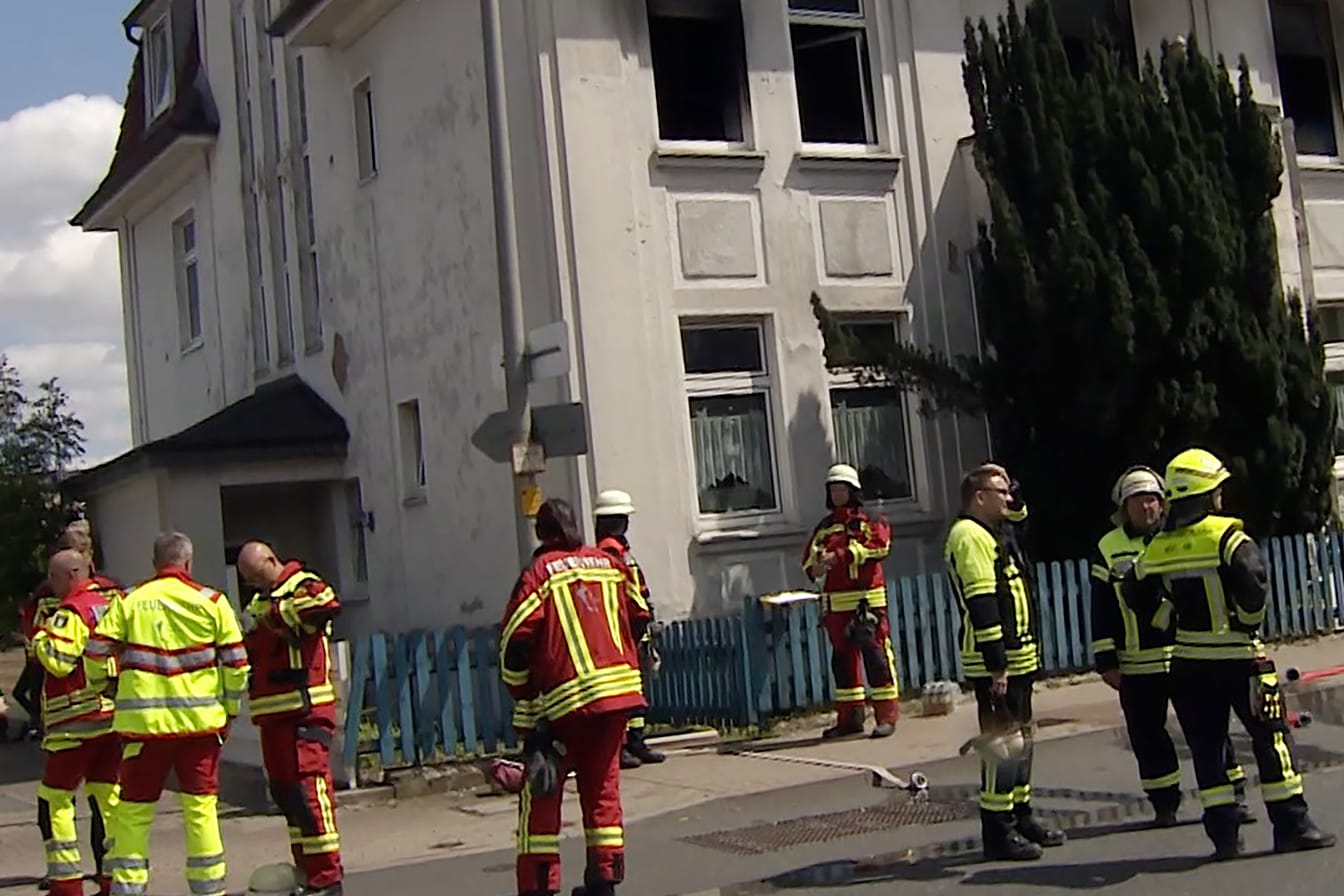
(1133, 656)
(182, 675)
(1206, 575)
(79, 743)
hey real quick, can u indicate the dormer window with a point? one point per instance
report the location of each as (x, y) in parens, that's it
(159, 67)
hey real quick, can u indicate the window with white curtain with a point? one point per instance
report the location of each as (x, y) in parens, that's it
(869, 420)
(728, 396)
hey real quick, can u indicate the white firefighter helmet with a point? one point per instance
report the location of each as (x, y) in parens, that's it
(280, 879)
(843, 473)
(613, 502)
(1000, 746)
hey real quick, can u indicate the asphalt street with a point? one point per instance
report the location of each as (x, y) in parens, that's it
(849, 836)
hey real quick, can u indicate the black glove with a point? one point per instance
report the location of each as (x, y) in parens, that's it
(541, 755)
(862, 629)
(1015, 500)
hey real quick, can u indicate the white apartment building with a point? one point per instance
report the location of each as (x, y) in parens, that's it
(303, 196)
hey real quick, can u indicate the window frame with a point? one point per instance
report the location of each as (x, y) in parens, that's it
(158, 106)
(305, 212)
(366, 130)
(414, 483)
(766, 383)
(746, 101)
(849, 378)
(187, 267)
(1331, 26)
(870, 23)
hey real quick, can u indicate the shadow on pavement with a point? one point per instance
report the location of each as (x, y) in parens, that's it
(20, 762)
(12, 883)
(959, 858)
(1090, 875)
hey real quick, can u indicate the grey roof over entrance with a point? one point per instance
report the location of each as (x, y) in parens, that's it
(282, 420)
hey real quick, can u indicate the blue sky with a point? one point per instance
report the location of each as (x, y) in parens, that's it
(63, 71)
(52, 48)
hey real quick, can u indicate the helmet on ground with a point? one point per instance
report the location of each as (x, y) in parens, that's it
(1194, 472)
(613, 502)
(1137, 480)
(280, 879)
(843, 473)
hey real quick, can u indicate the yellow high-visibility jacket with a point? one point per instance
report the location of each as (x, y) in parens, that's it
(179, 658)
(73, 709)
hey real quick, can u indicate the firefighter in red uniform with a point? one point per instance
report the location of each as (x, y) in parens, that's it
(846, 552)
(568, 658)
(612, 510)
(293, 703)
(79, 743)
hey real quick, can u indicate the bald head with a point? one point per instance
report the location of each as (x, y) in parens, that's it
(66, 570)
(259, 566)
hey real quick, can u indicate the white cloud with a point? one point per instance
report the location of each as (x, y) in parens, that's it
(60, 289)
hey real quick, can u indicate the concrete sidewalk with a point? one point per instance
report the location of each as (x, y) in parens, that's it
(380, 833)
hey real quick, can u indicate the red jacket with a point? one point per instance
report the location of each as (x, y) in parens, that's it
(289, 647)
(566, 646)
(70, 706)
(641, 609)
(862, 541)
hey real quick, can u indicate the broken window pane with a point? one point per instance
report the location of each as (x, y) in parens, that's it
(733, 468)
(1305, 54)
(834, 81)
(869, 426)
(699, 69)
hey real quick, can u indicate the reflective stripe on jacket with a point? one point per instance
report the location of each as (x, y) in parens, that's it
(179, 658)
(289, 647)
(73, 710)
(1121, 638)
(641, 608)
(863, 542)
(1218, 610)
(566, 645)
(995, 600)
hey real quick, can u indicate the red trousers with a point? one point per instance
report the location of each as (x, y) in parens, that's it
(593, 752)
(145, 765)
(849, 662)
(94, 763)
(297, 756)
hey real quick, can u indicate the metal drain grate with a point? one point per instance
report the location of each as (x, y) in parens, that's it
(764, 838)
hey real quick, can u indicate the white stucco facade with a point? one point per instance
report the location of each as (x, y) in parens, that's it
(658, 253)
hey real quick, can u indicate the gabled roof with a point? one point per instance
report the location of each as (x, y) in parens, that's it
(282, 420)
(193, 113)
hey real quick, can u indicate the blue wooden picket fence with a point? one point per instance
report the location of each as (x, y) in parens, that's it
(426, 696)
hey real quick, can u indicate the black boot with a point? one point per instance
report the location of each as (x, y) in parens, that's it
(629, 760)
(1002, 842)
(637, 747)
(1030, 827)
(847, 723)
(601, 889)
(883, 729)
(333, 890)
(1306, 837)
(1166, 804)
(1220, 823)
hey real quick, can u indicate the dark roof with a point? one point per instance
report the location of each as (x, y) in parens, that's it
(290, 15)
(193, 113)
(282, 420)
